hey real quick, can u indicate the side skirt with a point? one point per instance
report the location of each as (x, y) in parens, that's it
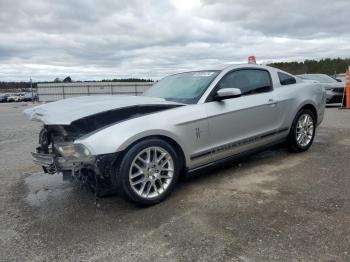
(234, 157)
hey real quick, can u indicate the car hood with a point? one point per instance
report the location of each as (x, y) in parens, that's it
(334, 85)
(64, 112)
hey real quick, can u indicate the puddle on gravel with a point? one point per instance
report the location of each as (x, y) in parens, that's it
(42, 187)
(345, 142)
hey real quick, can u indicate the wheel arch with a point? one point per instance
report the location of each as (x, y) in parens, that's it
(292, 140)
(310, 107)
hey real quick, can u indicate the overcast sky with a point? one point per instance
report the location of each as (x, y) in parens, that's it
(89, 39)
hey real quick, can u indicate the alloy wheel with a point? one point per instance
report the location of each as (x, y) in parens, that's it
(151, 172)
(304, 130)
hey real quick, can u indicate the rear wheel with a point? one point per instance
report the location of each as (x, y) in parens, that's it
(303, 130)
(148, 172)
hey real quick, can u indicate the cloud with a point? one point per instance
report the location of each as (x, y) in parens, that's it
(291, 18)
(90, 39)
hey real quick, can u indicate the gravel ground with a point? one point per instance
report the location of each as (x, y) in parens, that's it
(273, 206)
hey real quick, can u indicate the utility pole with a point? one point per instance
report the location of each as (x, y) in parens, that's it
(31, 89)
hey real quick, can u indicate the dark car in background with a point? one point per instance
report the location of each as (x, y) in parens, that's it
(3, 98)
(334, 88)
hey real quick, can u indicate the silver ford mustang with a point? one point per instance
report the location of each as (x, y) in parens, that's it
(139, 146)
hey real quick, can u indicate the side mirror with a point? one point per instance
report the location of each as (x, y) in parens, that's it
(226, 93)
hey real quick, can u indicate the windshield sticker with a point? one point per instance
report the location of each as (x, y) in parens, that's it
(203, 74)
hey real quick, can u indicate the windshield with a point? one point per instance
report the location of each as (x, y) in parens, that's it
(184, 88)
(319, 78)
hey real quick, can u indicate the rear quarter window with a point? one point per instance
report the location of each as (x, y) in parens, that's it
(286, 79)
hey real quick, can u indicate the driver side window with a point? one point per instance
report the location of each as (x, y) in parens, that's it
(249, 81)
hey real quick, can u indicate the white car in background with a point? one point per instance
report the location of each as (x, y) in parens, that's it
(14, 98)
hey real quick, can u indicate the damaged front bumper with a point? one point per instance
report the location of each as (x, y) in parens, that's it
(53, 163)
(94, 171)
(57, 153)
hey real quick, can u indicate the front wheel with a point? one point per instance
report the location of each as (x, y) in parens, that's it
(148, 171)
(303, 130)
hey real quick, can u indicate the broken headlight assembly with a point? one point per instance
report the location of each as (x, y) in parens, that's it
(73, 150)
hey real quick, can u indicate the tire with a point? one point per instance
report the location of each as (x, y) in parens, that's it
(142, 179)
(302, 133)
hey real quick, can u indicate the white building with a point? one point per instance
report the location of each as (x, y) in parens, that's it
(56, 91)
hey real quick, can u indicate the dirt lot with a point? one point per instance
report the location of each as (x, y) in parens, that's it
(274, 206)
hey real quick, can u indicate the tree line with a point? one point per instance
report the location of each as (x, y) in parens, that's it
(15, 86)
(68, 79)
(324, 66)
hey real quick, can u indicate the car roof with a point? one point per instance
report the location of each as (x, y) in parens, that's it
(228, 67)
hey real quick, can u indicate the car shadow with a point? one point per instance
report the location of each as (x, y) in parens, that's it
(236, 164)
(46, 192)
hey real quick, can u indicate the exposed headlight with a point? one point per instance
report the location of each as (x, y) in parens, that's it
(74, 150)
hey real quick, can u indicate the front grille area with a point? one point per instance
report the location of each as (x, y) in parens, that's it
(338, 89)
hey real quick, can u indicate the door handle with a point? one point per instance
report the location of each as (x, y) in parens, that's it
(271, 102)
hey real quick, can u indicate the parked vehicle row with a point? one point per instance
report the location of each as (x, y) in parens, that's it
(17, 97)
